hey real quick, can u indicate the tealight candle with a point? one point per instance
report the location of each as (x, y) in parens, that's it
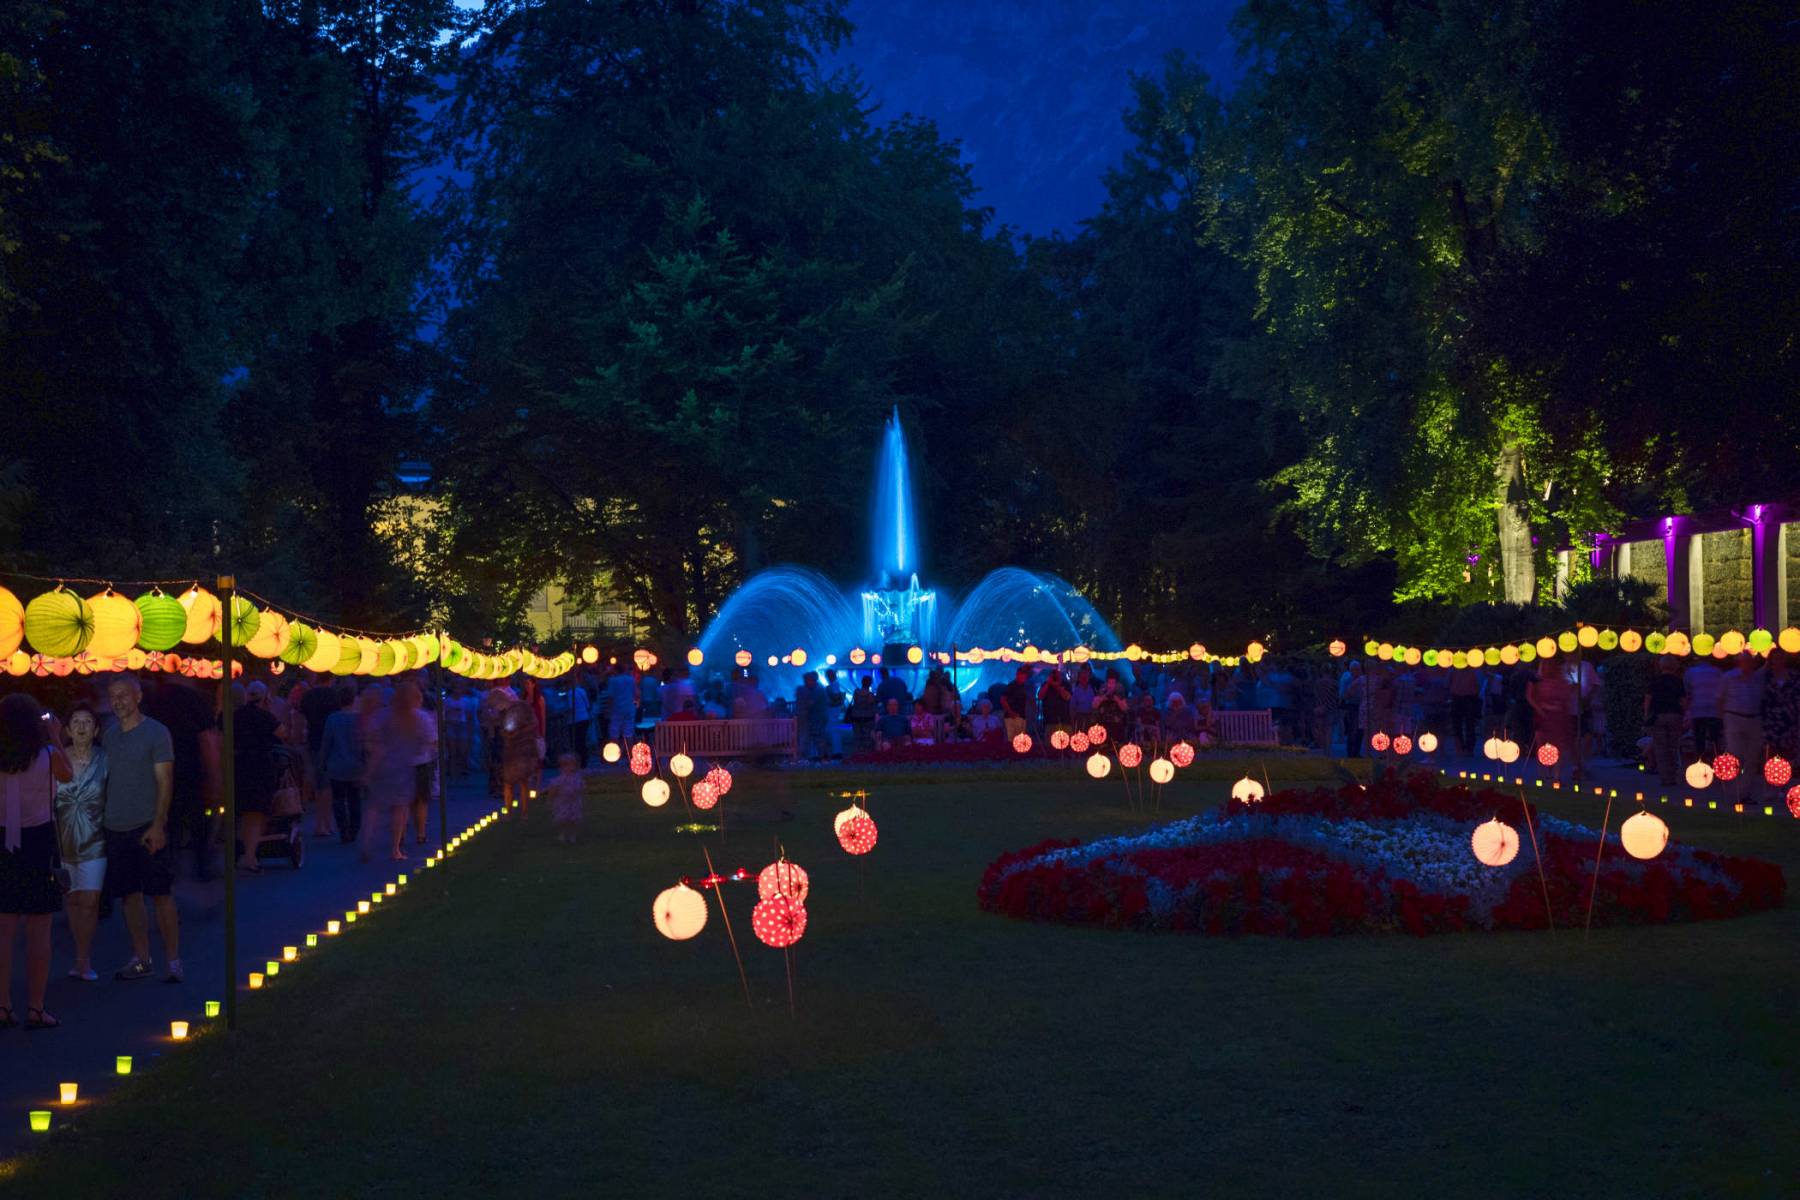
(332, 927)
(312, 939)
(290, 953)
(349, 918)
(403, 881)
(271, 968)
(362, 906)
(212, 1008)
(431, 862)
(392, 888)
(40, 1120)
(122, 1064)
(178, 1030)
(256, 980)
(69, 1092)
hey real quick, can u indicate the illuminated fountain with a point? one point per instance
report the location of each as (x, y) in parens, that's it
(791, 608)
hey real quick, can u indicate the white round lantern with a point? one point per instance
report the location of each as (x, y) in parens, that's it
(1699, 775)
(1161, 770)
(681, 766)
(1247, 790)
(680, 912)
(610, 752)
(1644, 835)
(1509, 751)
(1428, 743)
(1495, 843)
(656, 792)
(1491, 748)
(1098, 765)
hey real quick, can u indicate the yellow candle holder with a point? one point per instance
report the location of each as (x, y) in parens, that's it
(403, 881)
(312, 939)
(332, 927)
(178, 1030)
(122, 1064)
(256, 980)
(290, 953)
(40, 1120)
(69, 1092)
(212, 1008)
(271, 968)
(362, 907)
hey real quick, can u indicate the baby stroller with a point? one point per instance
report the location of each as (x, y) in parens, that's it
(281, 835)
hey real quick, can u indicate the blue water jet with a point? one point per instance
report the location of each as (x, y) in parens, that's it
(894, 529)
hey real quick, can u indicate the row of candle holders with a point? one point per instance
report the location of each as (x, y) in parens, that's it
(68, 1093)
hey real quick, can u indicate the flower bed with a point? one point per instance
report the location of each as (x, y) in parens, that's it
(1394, 857)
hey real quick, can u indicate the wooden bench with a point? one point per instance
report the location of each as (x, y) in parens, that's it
(756, 737)
(1245, 727)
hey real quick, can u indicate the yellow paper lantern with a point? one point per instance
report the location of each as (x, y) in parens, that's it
(1428, 743)
(610, 752)
(1677, 644)
(679, 912)
(1546, 647)
(1491, 748)
(326, 652)
(1631, 641)
(12, 623)
(349, 655)
(1098, 765)
(1587, 636)
(915, 655)
(117, 624)
(1788, 641)
(59, 624)
(1731, 642)
(1247, 791)
(655, 792)
(1644, 835)
(203, 611)
(271, 636)
(1161, 770)
(18, 663)
(1509, 751)
(371, 657)
(1495, 843)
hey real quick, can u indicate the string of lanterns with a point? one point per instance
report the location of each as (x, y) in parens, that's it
(1583, 637)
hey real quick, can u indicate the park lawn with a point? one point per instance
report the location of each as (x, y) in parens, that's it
(516, 1026)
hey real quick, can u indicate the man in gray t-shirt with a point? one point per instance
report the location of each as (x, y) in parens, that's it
(139, 785)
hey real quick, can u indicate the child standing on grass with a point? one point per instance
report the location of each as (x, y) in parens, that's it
(565, 797)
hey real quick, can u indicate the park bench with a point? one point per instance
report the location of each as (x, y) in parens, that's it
(1245, 727)
(750, 737)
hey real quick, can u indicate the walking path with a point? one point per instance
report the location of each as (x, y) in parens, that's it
(103, 1020)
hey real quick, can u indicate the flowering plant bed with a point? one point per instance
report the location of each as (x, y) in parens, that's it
(1392, 857)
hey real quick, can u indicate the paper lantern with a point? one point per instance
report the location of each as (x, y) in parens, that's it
(1777, 771)
(1644, 835)
(1699, 775)
(1096, 735)
(327, 649)
(1181, 754)
(783, 878)
(1059, 739)
(1608, 639)
(640, 762)
(1726, 767)
(742, 658)
(1631, 641)
(12, 624)
(1732, 643)
(349, 655)
(1337, 648)
(704, 795)
(1677, 644)
(610, 752)
(1402, 744)
(719, 779)
(1098, 765)
(1587, 636)
(1704, 645)
(1161, 770)
(202, 608)
(1022, 743)
(845, 817)
(1078, 742)
(1495, 843)
(1491, 748)
(1546, 647)
(679, 912)
(1130, 754)
(681, 766)
(655, 792)
(1428, 743)
(1548, 754)
(272, 636)
(1793, 801)
(1789, 639)
(371, 657)
(779, 921)
(117, 624)
(858, 656)
(1247, 791)
(212, 1008)
(1378, 741)
(857, 835)
(59, 623)
(1509, 751)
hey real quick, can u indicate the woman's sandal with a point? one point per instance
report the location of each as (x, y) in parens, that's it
(43, 1020)
(8, 1021)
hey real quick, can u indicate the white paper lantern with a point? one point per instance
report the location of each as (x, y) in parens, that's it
(680, 912)
(1645, 836)
(1427, 743)
(1491, 748)
(1699, 775)
(1509, 751)
(1247, 790)
(1495, 843)
(656, 792)
(681, 766)
(1098, 765)
(610, 752)
(1161, 770)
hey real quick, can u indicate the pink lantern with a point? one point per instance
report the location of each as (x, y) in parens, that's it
(640, 758)
(720, 779)
(779, 921)
(1548, 754)
(857, 835)
(1181, 754)
(1078, 742)
(1378, 741)
(1793, 801)
(1726, 767)
(1059, 739)
(783, 879)
(1778, 771)
(1130, 754)
(1096, 735)
(1402, 744)
(704, 795)
(1022, 743)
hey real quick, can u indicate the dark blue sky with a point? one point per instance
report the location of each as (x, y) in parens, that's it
(1033, 89)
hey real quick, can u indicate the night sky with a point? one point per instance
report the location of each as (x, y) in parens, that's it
(1032, 88)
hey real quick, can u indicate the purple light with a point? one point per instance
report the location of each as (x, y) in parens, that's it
(1473, 559)
(1668, 525)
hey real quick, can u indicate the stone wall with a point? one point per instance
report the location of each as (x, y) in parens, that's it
(1648, 564)
(1727, 584)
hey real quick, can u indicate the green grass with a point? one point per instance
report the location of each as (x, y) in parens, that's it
(528, 1032)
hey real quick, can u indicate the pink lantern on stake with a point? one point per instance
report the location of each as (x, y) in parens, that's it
(1096, 735)
(1181, 754)
(1378, 741)
(783, 879)
(720, 779)
(1130, 754)
(1022, 743)
(1777, 771)
(1548, 754)
(779, 921)
(704, 795)
(1059, 739)
(1402, 744)
(1726, 767)
(1078, 742)
(857, 835)
(1793, 801)
(640, 759)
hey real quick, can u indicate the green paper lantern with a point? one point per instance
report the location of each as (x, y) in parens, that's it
(349, 656)
(59, 624)
(164, 621)
(1656, 643)
(303, 640)
(384, 659)
(1608, 640)
(1761, 640)
(1703, 644)
(245, 620)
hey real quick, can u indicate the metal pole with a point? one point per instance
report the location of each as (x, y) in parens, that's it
(228, 790)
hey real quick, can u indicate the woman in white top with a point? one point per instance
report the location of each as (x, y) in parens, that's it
(31, 762)
(80, 801)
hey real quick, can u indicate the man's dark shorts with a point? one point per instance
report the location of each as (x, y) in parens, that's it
(130, 868)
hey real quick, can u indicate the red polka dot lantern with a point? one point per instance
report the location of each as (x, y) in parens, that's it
(1059, 739)
(1022, 743)
(783, 879)
(1777, 771)
(1130, 754)
(1402, 744)
(1181, 754)
(640, 758)
(1096, 735)
(1378, 741)
(857, 835)
(1078, 742)
(720, 779)
(704, 795)
(1548, 754)
(1726, 767)
(1793, 801)
(779, 921)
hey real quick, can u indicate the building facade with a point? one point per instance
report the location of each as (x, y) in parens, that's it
(1733, 569)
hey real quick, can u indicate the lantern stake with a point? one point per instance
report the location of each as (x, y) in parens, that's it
(1598, 850)
(719, 893)
(1537, 854)
(228, 791)
(788, 958)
